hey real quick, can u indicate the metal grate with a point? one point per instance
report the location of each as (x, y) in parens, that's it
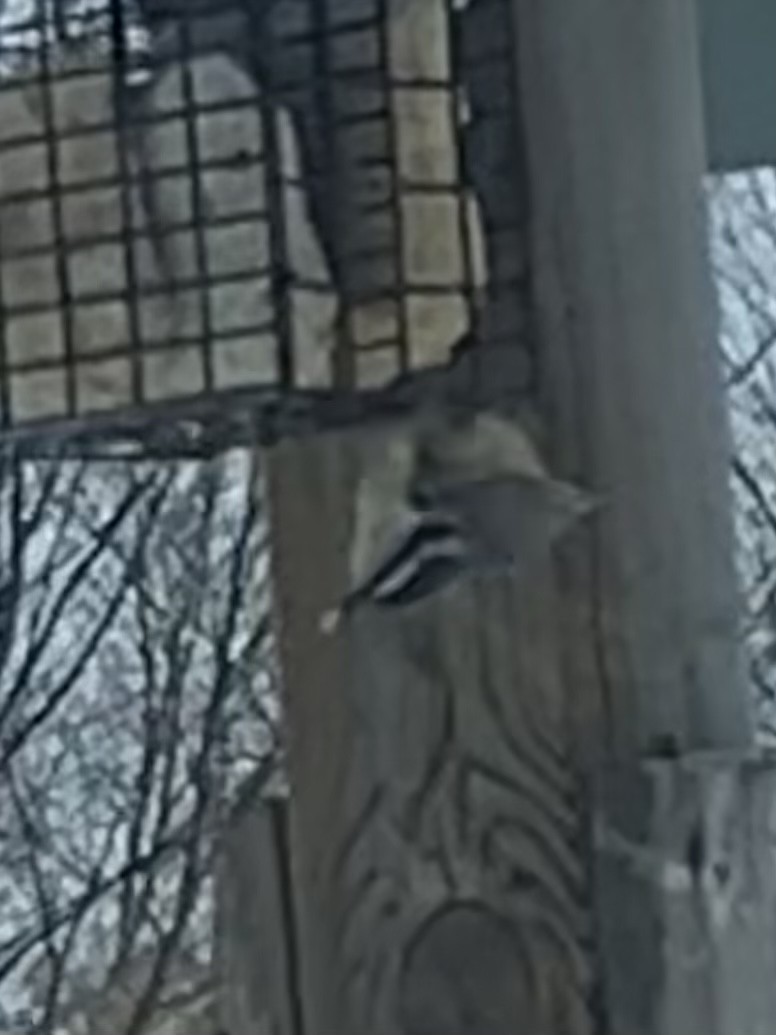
(294, 205)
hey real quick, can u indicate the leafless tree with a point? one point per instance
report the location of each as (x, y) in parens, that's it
(743, 246)
(136, 688)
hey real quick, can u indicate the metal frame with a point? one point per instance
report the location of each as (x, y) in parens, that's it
(256, 410)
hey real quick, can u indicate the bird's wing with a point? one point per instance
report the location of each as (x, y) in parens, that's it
(513, 519)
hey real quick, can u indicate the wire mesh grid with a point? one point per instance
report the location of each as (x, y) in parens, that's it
(293, 204)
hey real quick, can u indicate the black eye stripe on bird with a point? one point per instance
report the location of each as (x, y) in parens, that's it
(430, 552)
(397, 583)
(426, 530)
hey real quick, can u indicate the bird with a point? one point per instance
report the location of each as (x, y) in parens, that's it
(430, 551)
(446, 499)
